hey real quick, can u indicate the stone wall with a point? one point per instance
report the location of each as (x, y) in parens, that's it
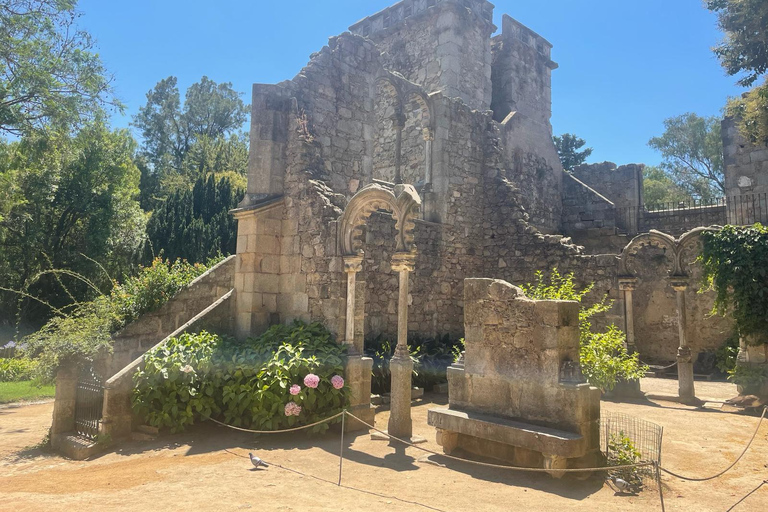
(139, 336)
(442, 45)
(679, 221)
(746, 176)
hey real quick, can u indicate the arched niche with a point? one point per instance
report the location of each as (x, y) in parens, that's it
(416, 139)
(388, 119)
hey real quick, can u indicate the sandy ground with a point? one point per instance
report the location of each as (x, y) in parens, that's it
(206, 469)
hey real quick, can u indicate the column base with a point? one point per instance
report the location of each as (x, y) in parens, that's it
(400, 424)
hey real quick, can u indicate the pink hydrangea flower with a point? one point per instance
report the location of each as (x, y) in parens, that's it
(295, 389)
(337, 381)
(311, 380)
(292, 409)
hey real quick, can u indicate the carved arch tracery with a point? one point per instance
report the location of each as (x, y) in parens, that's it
(403, 202)
(676, 248)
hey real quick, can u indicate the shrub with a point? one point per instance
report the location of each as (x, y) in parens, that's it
(726, 354)
(603, 356)
(289, 376)
(750, 377)
(430, 357)
(16, 369)
(735, 261)
(87, 331)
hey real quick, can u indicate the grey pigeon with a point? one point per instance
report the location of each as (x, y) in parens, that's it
(622, 485)
(257, 461)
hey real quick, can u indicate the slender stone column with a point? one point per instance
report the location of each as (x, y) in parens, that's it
(401, 366)
(428, 138)
(684, 357)
(398, 123)
(352, 265)
(358, 368)
(628, 285)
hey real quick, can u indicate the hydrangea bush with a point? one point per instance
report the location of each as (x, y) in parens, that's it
(289, 376)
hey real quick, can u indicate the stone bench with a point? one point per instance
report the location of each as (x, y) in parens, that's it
(516, 442)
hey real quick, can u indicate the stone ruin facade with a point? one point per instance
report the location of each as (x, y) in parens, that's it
(517, 393)
(412, 153)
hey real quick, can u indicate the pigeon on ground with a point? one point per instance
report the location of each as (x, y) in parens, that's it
(257, 461)
(621, 484)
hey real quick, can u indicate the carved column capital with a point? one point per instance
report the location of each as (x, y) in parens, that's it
(427, 134)
(353, 264)
(627, 284)
(679, 283)
(403, 261)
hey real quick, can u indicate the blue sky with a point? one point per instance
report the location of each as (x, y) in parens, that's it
(625, 65)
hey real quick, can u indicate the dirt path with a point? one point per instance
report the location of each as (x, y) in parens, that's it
(206, 469)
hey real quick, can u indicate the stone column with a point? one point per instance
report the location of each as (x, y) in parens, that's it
(357, 372)
(398, 123)
(401, 366)
(428, 138)
(64, 405)
(684, 356)
(352, 265)
(628, 285)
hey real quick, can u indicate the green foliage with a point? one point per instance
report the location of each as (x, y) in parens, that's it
(23, 391)
(735, 263)
(745, 48)
(242, 384)
(195, 224)
(622, 452)
(751, 114)
(184, 143)
(75, 202)
(430, 357)
(725, 357)
(692, 154)
(749, 377)
(87, 330)
(49, 72)
(659, 189)
(568, 146)
(16, 369)
(603, 356)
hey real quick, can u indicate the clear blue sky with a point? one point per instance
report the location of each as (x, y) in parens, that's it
(625, 65)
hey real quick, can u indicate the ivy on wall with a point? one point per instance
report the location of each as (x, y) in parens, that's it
(735, 261)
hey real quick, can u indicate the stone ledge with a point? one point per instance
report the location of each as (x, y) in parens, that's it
(544, 440)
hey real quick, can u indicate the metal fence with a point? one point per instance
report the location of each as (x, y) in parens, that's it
(624, 440)
(680, 216)
(89, 403)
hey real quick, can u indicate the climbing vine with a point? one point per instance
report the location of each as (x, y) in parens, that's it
(735, 261)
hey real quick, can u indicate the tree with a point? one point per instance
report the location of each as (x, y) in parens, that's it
(568, 146)
(195, 225)
(745, 48)
(206, 123)
(692, 153)
(76, 206)
(659, 188)
(49, 74)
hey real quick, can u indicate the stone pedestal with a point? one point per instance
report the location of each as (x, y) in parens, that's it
(357, 374)
(400, 424)
(686, 390)
(64, 405)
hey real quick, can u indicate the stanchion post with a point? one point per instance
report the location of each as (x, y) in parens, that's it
(341, 445)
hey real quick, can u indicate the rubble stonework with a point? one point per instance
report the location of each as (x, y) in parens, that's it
(518, 394)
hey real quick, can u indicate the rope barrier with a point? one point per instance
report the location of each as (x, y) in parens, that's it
(750, 493)
(501, 466)
(721, 473)
(303, 427)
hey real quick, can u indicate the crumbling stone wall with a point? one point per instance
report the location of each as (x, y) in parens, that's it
(746, 176)
(441, 45)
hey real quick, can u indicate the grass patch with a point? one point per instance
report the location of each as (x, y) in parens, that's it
(23, 391)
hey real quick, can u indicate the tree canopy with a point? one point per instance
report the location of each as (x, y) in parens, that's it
(692, 154)
(745, 47)
(182, 143)
(568, 146)
(49, 72)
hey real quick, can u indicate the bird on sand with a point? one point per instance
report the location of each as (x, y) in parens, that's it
(257, 461)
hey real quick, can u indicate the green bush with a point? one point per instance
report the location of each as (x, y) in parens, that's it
(430, 357)
(16, 369)
(735, 261)
(725, 357)
(244, 384)
(749, 377)
(603, 355)
(87, 331)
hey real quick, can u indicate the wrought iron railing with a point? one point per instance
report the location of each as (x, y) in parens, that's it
(89, 402)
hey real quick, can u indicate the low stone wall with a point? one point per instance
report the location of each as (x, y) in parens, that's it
(679, 221)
